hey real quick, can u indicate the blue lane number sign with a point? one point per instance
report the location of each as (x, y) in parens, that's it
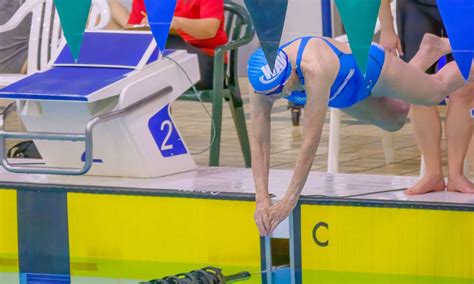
(165, 134)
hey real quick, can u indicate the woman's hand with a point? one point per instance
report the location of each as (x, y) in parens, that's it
(145, 19)
(268, 216)
(175, 23)
(391, 42)
(262, 216)
(280, 211)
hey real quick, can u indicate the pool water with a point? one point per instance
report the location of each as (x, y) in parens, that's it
(279, 277)
(16, 278)
(23, 278)
(339, 277)
(117, 272)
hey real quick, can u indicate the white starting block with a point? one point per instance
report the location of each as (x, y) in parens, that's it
(108, 114)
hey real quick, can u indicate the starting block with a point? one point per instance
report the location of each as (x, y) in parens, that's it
(106, 114)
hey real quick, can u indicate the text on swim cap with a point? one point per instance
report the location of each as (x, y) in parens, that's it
(280, 65)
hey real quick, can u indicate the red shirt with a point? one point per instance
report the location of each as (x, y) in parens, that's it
(191, 9)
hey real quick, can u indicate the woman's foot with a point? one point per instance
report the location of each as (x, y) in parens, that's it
(427, 184)
(460, 184)
(435, 46)
(432, 48)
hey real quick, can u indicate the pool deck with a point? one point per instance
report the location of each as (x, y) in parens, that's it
(238, 183)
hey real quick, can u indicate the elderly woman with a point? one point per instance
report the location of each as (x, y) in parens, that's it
(324, 73)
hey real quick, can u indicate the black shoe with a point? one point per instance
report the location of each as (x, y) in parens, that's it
(24, 150)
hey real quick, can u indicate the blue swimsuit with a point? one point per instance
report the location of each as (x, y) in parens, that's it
(350, 86)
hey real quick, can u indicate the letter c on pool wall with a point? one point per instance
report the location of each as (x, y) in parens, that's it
(315, 232)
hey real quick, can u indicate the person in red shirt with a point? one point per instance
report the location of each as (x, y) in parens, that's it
(197, 26)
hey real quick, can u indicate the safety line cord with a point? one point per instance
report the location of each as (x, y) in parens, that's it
(202, 104)
(356, 195)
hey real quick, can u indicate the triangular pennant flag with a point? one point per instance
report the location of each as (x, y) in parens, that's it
(464, 62)
(359, 18)
(160, 15)
(268, 17)
(458, 18)
(73, 15)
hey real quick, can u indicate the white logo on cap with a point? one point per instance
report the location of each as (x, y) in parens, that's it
(280, 65)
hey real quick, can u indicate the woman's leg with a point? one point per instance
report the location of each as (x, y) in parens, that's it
(428, 138)
(427, 128)
(386, 113)
(458, 135)
(407, 82)
(470, 151)
(431, 49)
(414, 20)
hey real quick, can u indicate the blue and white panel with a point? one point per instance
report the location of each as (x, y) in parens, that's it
(165, 134)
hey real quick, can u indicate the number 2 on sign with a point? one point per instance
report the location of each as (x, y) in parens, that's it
(165, 146)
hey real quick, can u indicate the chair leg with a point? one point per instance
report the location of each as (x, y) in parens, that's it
(388, 148)
(238, 115)
(334, 141)
(217, 104)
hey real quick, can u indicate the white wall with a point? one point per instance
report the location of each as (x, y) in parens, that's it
(126, 3)
(303, 18)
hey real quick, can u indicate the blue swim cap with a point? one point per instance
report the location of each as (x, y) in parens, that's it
(262, 78)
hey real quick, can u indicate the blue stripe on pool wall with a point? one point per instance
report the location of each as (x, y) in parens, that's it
(263, 260)
(297, 263)
(31, 278)
(43, 237)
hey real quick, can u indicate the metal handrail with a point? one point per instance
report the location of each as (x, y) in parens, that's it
(87, 137)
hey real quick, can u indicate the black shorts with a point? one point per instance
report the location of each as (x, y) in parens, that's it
(206, 62)
(414, 19)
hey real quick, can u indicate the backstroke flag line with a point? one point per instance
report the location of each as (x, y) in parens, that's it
(73, 15)
(359, 18)
(160, 15)
(268, 16)
(458, 18)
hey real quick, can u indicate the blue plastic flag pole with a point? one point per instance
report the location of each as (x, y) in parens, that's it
(327, 17)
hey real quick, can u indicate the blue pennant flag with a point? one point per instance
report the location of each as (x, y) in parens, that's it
(268, 16)
(160, 15)
(458, 18)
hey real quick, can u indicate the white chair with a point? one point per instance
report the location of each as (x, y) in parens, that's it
(335, 124)
(46, 33)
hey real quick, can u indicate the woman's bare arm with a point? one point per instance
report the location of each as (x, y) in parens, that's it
(197, 28)
(260, 139)
(388, 37)
(318, 81)
(119, 14)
